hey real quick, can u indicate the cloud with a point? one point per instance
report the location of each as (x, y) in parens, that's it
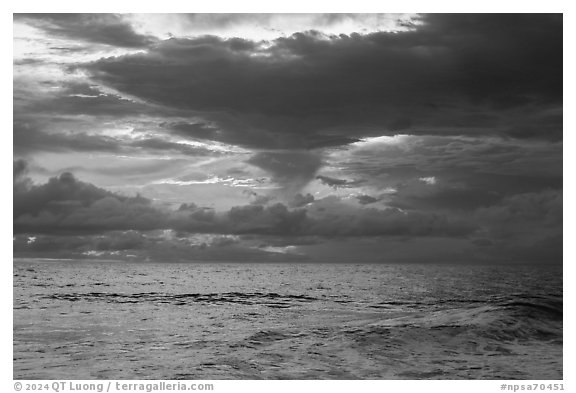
(430, 180)
(257, 199)
(449, 195)
(20, 168)
(300, 200)
(468, 172)
(268, 26)
(67, 101)
(366, 199)
(161, 246)
(67, 205)
(543, 208)
(430, 155)
(108, 29)
(446, 130)
(276, 219)
(20, 178)
(29, 138)
(337, 183)
(224, 127)
(158, 144)
(290, 169)
(333, 218)
(68, 216)
(452, 74)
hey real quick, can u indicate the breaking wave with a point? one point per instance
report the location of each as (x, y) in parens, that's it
(520, 317)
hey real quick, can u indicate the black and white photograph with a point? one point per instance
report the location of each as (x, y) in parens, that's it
(287, 196)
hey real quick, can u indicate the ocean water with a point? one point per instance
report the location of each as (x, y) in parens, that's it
(115, 320)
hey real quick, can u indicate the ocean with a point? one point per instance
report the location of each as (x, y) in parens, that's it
(120, 320)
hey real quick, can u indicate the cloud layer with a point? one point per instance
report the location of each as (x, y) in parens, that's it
(453, 74)
(286, 137)
(109, 29)
(66, 206)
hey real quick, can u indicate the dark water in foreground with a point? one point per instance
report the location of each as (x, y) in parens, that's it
(80, 320)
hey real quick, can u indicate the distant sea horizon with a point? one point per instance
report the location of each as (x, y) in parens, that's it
(298, 262)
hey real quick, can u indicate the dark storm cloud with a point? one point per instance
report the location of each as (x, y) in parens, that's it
(20, 179)
(476, 159)
(468, 192)
(291, 169)
(276, 219)
(524, 227)
(542, 208)
(20, 169)
(257, 199)
(300, 200)
(66, 205)
(366, 199)
(431, 173)
(225, 128)
(109, 29)
(351, 222)
(546, 249)
(417, 194)
(453, 74)
(68, 217)
(337, 183)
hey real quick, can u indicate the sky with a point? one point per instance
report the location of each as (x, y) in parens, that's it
(288, 137)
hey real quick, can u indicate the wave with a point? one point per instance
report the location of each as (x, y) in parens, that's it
(516, 317)
(520, 317)
(273, 300)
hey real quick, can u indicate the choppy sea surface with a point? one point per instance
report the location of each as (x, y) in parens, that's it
(116, 320)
